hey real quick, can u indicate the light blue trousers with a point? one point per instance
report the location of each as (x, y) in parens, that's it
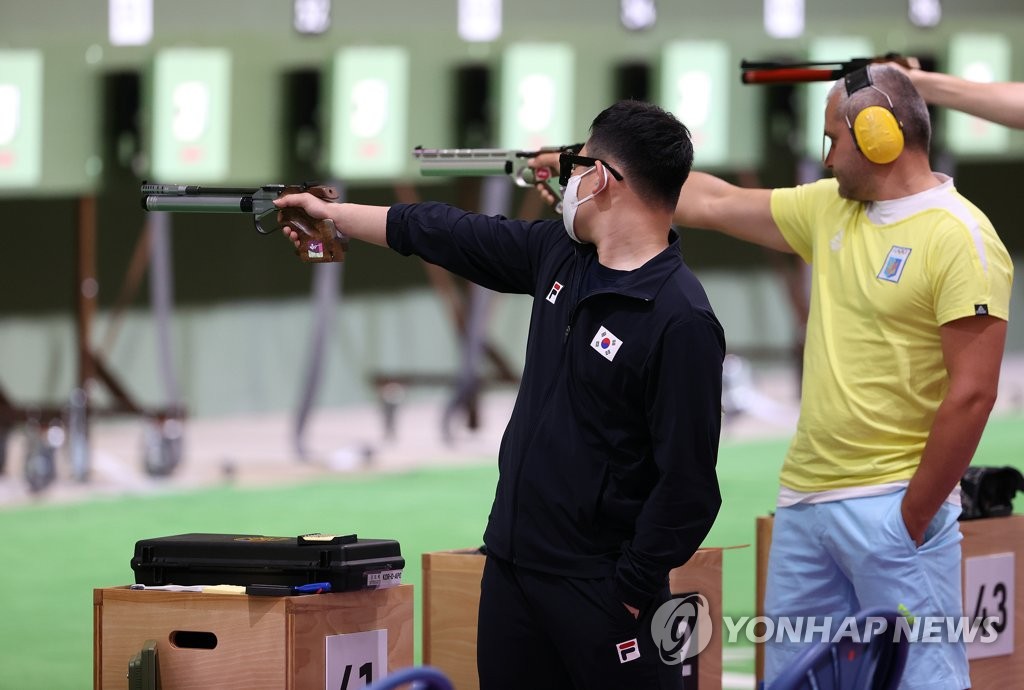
(834, 559)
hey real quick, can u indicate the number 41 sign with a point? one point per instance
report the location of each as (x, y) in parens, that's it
(988, 597)
(355, 660)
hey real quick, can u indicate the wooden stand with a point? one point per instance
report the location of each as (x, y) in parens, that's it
(451, 602)
(986, 537)
(982, 538)
(260, 642)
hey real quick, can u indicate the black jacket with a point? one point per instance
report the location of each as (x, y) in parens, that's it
(607, 465)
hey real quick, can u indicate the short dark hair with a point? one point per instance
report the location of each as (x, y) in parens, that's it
(647, 145)
(908, 106)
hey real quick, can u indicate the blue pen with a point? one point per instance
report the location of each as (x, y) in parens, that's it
(313, 588)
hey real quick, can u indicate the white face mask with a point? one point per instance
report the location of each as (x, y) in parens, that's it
(570, 203)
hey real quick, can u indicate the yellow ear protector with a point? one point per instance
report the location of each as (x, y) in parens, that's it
(876, 131)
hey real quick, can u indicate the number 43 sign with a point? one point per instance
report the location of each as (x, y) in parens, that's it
(355, 660)
(988, 597)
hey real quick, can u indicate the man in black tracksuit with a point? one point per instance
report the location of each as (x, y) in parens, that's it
(607, 466)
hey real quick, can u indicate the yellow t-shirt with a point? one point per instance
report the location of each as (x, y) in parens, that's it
(885, 276)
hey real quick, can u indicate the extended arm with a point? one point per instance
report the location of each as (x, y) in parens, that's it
(1000, 102)
(972, 348)
(713, 204)
(490, 251)
(366, 223)
(710, 203)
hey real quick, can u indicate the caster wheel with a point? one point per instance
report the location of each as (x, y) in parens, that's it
(40, 464)
(161, 447)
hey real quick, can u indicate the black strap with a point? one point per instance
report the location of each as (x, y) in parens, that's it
(857, 80)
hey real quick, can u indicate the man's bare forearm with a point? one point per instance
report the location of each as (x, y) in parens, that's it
(696, 201)
(952, 442)
(710, 203)
(972, 348)
(365, 223)
(1001, 102)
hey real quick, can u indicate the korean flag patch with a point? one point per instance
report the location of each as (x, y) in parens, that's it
(894, 264)
(605, 343)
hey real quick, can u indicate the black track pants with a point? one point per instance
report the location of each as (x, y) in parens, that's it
(538, 631)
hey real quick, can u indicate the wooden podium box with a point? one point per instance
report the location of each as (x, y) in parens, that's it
(258, 641)
(451, 601)
(995, 594)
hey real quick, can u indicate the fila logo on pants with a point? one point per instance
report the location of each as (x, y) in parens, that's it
(628, 650)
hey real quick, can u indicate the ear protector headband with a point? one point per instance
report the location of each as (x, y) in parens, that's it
(876, 131)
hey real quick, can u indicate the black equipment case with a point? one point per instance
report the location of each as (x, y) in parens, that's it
(346, 562)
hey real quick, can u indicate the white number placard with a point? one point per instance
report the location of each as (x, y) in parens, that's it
(355, 660)
(988, 598)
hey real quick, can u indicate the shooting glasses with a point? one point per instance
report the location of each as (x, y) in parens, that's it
(568, 159)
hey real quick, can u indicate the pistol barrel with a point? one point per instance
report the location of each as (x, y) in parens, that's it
(198, 204)
(463, 162)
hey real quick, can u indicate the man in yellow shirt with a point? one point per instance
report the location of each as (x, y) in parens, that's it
(909, 306)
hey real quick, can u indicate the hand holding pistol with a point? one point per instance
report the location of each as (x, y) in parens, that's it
(319, 240)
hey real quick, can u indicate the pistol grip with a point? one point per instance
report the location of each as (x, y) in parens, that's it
(319, 241)
(331, 244)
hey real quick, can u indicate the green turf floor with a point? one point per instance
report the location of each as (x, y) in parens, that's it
(53, 556)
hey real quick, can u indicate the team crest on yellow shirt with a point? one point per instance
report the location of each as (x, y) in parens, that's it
(894, 264)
